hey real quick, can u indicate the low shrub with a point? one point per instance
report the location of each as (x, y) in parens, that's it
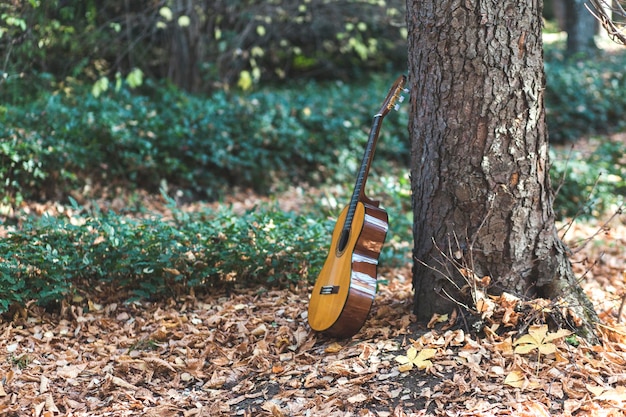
(589, 186)
(584, 96)
(21, 168)
(51, 258)
(205, 146)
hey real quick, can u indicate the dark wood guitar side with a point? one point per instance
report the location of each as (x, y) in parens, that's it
(345, 288)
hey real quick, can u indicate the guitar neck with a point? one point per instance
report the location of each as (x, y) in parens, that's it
(358, 193)
(359, 187)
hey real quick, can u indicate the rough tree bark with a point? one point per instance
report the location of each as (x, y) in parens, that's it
(481, 191)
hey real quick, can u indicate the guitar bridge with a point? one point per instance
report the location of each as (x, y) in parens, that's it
(329, 289)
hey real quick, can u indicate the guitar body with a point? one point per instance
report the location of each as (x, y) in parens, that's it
(346, 286)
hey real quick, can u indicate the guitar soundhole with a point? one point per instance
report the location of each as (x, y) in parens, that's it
(329, 289)
(343, 240)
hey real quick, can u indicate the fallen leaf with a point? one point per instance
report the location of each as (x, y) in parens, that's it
(358, 398)
(413, 358)
(50, 405)
(71, 371)
(39, 408)
(595, 389)
(437, 318)
(539, 338)
(616, 395)
(273, 409)
(333, 348)
(44, 384)
(515, 379)
(121, 383)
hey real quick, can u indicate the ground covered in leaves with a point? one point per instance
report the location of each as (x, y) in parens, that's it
(249, 352)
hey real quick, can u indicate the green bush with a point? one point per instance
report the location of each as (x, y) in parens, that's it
(306, 132)
(589, 186)
(584, 97)
(21, 169)
(51, 258)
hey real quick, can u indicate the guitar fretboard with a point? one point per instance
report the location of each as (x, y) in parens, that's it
(361, 179)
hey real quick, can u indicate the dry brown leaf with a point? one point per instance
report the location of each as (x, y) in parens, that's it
(158, 361)
(121, 383)
(39, 408)
(50, 405)
(44, 384)
(273, 409)
(357, 398)
(435, 319)
(71, 371)
(535, 409)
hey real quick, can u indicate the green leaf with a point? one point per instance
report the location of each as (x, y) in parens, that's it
(166, 13)
(245, 80)
(100, 86)
(135, 78)
(184, 21)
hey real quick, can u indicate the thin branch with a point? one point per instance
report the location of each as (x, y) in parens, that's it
(616, 29)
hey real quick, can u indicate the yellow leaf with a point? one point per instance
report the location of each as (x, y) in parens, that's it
(515, 379)
(413, 358)
(547, 348)
(538, 331)
(539, 338)
(333, 348)
(523, 349)
(556, 335)
(405, 367)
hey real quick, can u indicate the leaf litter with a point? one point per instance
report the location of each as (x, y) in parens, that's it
(250, 353)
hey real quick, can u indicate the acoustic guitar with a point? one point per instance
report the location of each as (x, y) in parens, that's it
(346, 286)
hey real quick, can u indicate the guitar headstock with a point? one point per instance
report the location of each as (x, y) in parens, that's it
(394, 96)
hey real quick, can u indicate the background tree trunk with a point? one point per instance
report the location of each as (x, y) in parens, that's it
(481, 191)
(581, 27)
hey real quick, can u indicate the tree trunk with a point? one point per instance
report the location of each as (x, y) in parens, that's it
(581, 26)
(482, 199)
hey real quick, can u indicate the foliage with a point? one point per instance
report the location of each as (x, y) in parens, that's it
(20, 167)
(198, 45)
(306, 132)
(589, 185)
(51, 258)
(584, 96)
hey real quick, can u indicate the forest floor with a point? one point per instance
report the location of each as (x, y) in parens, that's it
(250, 352)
